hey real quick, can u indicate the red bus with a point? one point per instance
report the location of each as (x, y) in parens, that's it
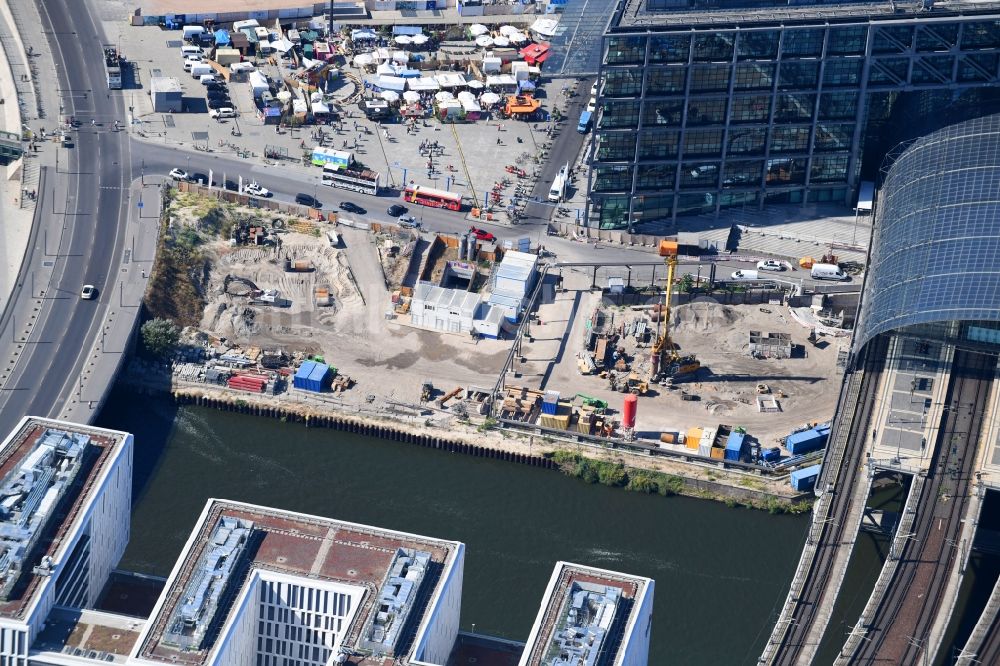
(428, 196)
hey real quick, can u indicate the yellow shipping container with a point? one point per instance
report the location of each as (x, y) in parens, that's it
(718, 453)
(693, 438)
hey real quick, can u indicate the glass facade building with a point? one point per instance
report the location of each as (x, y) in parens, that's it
(935, 254)
(741, 107)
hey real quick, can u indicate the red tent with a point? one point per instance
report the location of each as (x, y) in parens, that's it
(536, 54)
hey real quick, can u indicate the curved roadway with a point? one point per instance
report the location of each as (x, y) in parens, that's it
(77, 237)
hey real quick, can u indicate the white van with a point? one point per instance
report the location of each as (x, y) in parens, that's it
(828, 272)
(745, 275)
(201, 69)
(224, 112)
(191, 49)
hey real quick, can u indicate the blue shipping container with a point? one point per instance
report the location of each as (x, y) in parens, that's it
(807, 440)
(771, 455)
(805, 479)
(311, 376)
(735, 445)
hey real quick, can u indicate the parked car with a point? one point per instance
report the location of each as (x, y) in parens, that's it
(217, 104)
(408, 221)
(178, 174)
(215, 85)
(307, 200)
(220, 95)
(744, 275)
(349, 207)
(221, 112)
(592, 104)
(482, 235)
(200, 178)
(770, 265)
(395, 210)
(231, 185)
(89, 292)
(255, 190)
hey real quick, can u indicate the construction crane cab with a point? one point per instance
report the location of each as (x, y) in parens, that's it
(665, 361)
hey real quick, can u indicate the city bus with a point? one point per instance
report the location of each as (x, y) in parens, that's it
(428, 196)
(323, 156)
(348, 178)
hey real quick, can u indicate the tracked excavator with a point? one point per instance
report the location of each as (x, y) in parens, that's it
(666, 363)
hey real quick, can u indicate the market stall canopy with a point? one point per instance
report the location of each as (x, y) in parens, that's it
(450, 80)
(390, 95)
(501, 41)
(389, 69)
(484, 41)
(545, 27)
(402, 39)
(517, 38)
(477, 29)
(535, 54)
(470, 105)
(423, 83)
(283, 45)
(464, 95)
(501, 80)
(390, 83)
(411, 96)
(475, 85)
(443, 96)
(420, 39)
(526, 85)
(284, 95)
(507, 30)
(489, 98)
(362, 34)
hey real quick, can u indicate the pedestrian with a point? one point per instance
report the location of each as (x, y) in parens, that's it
(498, 141)
(32, 195)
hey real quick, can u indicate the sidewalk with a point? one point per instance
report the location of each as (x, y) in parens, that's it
(15, 223)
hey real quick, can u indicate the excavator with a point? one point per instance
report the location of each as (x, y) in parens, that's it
(665, 362)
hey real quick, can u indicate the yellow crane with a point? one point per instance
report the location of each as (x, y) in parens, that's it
(665, 360)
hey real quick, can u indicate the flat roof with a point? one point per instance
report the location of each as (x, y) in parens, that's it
(49, 473)
(636, 14)
(89, 634)
(311, 547)
(612, 599)
(165, 7)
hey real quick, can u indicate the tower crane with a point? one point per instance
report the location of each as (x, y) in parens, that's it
(665, 361)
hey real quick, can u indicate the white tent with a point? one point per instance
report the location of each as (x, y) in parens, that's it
(507, 30)
(464, 95)
(283, 45)
(489, 98)
(284, 95)
(546, 27)
(363, 59)
(402, 39)
(470, 105)
(450, 80)
(501, 41)
(420, 39)
(517, 38)
(443, 96)
(363, 33)
(390, 83)
(411, 96)
(475, 85)
(484, 41)
(390, 96)
(477, 29)
(423, 83)
(388, 69)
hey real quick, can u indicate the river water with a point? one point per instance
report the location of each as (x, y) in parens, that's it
(721, 573)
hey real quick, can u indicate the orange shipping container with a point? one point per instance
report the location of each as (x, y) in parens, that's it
(693, 438)
(718, 453)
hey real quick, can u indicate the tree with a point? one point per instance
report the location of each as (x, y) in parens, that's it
(160, 336)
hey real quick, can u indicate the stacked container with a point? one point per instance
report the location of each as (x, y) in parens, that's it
(252, 383)
(808, 440)
(550, 402)
(735, 446)
(805, 479)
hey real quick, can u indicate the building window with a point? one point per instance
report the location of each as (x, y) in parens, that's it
(703, 142)
(754, 76)
(622, 83)
(803, 43)
(619, 114)
(710, 78)
(829, 169)
(614, 146)
(892, 39)
(932, 69)
(666, 112)
(981, 35)
(847, 41)
(750, 108)
(936, 37)
(693, 204)
(743, 174)
(734, 199)
(706, 111)
(785, 171)
(976, 67)
(891, 71)
(748, 141)
(842, 72)
(653, 207)
(701, 175)
(798, 74)
(658, 145)
(613, 210)
(757, 45)
(669, 48)
(790, 140)
(663, 80)
(794, 106)
(833, 137)
(629, 50)
(654, 177)
(838, 106)
(713, 47)
(612, 178)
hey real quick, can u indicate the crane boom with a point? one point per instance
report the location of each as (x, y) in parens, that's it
(665, 358)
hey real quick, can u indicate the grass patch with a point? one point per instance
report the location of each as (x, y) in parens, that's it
(617, 475)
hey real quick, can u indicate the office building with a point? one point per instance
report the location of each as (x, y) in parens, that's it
(65, 497)
(708, 106)
(591, 616)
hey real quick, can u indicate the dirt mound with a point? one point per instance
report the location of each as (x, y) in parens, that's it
(703, 317)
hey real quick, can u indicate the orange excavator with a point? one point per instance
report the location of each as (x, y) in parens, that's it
(666, 362)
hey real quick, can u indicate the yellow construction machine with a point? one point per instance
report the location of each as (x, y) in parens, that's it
(665, 361)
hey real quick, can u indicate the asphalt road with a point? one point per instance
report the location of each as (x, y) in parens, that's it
(83, 220)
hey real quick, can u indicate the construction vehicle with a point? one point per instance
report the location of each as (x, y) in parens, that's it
(426, 390)
(635, 384)
(596, 403)
(665, 361)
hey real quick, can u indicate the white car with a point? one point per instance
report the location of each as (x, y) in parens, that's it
(593, 90)
(89, 292)
(178, 174)
(770, 265)
(408, 221)
(224, 112)
(592, 104)
(255, 190)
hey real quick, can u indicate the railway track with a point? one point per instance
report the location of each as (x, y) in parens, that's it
(842, 468)
(908, 610)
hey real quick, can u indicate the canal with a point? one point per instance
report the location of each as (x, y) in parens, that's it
(721, 573)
